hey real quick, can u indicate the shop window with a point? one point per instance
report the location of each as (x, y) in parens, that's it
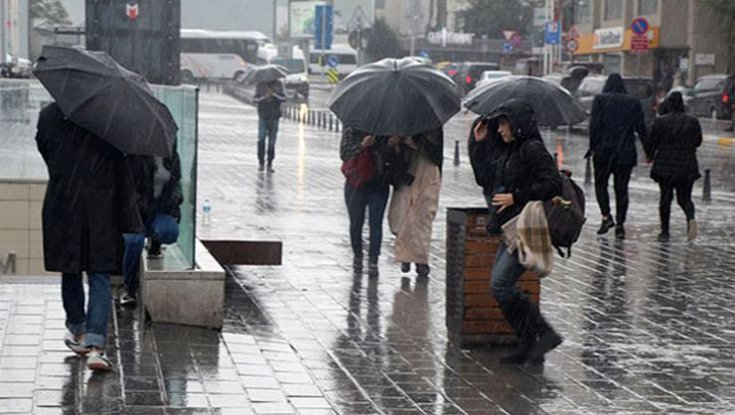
(584, 12)
(647, 6)
(613, 9)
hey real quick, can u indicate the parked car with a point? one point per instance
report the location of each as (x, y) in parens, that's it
(710, 98)
(470, 72)
(16, 67)
(493, 75)
(641, 88)
(449, 68)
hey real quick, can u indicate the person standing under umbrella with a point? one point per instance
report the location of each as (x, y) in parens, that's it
(672, 146)
(525, 171)
(614, 119)
(89, 204)
(371, 195)
(415, 200)
(268, 96)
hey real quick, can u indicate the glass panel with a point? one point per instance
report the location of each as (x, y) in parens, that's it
(613, 9)
(182, 102)
(647, 6)
(584, 12)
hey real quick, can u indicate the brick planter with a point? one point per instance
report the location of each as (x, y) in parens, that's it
(473, 315)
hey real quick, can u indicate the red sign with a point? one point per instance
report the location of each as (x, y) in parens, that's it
(131, 10)
(639, 44)
(572, 45)
(573, 33)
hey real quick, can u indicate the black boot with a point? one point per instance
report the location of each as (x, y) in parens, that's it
(548, 339)
(516, 312)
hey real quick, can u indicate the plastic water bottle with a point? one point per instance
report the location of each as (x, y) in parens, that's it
(207, 211)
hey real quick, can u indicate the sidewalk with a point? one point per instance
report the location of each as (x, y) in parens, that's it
(647, 326)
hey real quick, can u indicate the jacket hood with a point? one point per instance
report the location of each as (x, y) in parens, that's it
(521, 117)
(614, 85)
(675, 102)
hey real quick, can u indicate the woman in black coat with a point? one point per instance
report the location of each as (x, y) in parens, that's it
(672, 146)
(509, 156)
(89, 203)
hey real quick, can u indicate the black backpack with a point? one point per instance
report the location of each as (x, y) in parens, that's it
(565, 215)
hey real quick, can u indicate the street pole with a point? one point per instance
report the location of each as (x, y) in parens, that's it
(3, 33)
(275, 18)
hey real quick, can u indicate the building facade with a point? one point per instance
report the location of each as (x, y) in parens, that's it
(684, 40)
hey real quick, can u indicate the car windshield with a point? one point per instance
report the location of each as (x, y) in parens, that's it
(292, 65)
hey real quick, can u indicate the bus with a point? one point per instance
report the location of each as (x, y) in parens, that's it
(216, 54)
(346, 59)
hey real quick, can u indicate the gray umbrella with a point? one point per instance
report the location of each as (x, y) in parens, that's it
(99, 95)
(395, 97)
(265, 73)
(552, 104)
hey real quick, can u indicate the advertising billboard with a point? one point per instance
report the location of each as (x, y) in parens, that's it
(302, 16)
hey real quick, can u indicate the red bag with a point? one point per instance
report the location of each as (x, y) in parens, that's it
(359, 170)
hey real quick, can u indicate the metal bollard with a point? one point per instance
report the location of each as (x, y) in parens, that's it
(331, 119)
(556, 160)
(588, 172)
(707, 193)
(337, 125)
(456, 152)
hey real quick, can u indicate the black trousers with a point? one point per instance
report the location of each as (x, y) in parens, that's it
(621, 174)
(683, 190)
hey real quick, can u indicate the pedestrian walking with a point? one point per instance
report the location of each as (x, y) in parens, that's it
(366, 188)
(159, 198)
(268, 96)
(615, 119)
(672, 146)
(89, 204)
(415, 201)
(524, 171)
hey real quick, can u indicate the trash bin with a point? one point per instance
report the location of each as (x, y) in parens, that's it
(472, 314)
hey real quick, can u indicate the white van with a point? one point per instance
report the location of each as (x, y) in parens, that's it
(345, 55)
(211, 54)
(297, 80)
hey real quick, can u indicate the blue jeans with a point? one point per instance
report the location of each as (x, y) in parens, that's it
(375, 199)
(93, 323)
(163, 228)
(269, 127)
(506, 272)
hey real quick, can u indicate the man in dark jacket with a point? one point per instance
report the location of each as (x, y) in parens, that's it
(672, 146)
(159, 198)
(614, 120)
(520, 165)
(268, 96)
(89, 203)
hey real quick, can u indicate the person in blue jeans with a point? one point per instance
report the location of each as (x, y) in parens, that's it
(371, 196)
(159, 199)
(268, 96)
(519, 169)
(89, 204)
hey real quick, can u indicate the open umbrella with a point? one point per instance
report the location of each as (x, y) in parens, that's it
(395, 97)
(99, 95)
(552, 104)
(265, 73)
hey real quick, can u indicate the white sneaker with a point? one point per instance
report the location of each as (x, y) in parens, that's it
(692, 230)
(97, 360)
(128, 299)
(76, 346)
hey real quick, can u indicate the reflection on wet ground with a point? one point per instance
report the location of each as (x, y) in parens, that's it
(647, 326)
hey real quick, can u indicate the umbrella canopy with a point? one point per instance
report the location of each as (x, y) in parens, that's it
(99, 95)
(395, 97)
(266, 73)
(552, 104)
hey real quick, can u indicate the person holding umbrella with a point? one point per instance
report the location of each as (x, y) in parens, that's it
(268, 96)
(522, 171)
(672, 146)
(415, 200)
(102, 112)
(614, 120)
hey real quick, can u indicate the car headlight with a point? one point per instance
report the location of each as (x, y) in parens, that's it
(304, 79)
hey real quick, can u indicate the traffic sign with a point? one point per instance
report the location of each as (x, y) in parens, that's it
(323, 24)
(516, 40)
(639, 44)
(640, 26)
(572, 45)
(424, 53)
(507, 48)
(573, 33)
(552, 33)
(332, 61)
(332, 75)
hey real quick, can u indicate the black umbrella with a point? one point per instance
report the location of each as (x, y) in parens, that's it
(99, 95)
(395, 97)
(266, 73)
(552, 104)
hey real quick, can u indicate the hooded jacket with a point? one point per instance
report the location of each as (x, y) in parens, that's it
(614, 120)
(523, 167)
(673, 143)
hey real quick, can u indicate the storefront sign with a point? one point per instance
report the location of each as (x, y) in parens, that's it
(639, 44)
(302, 16)
(704, 59)
(608, 38)
(445, 37)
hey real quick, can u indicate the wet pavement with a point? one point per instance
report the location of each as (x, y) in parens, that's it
(647, 326)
